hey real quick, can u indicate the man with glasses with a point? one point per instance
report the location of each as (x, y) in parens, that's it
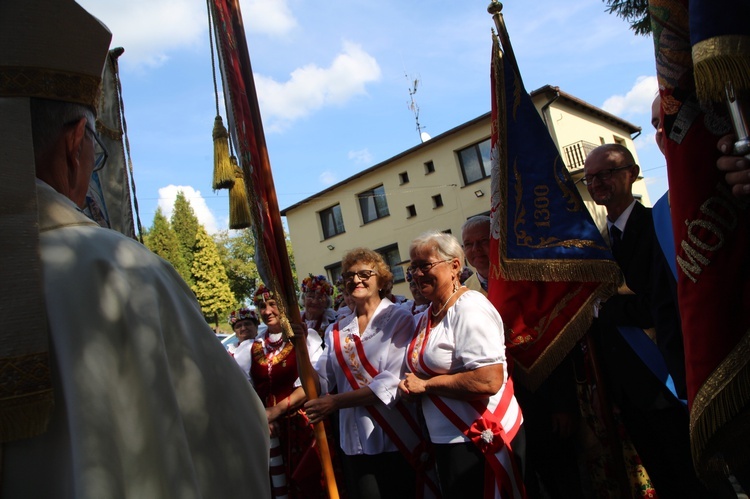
(475, 238)
(113, 382)
(655, 419)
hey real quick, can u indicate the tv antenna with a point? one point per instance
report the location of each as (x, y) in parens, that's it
(414, 84)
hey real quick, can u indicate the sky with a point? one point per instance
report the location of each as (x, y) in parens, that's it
(334, 80)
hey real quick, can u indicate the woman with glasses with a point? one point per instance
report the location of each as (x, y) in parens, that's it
(459, 375)
(364, 360)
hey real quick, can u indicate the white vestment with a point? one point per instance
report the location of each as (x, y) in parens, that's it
(147, 402)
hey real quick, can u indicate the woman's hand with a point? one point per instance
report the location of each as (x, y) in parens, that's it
(299, 329)
(273, 429)
(318, 409)
(411, 387)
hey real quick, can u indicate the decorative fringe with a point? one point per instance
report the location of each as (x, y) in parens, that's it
(26, 416)
(556, 351)
(239, 208)
(718, 60)
(561, 270)
(720, 416)
(223, 170)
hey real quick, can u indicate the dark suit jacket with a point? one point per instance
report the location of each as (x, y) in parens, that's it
(631, 383)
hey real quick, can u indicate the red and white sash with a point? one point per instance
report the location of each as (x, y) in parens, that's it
(397, 422)
(502, 478)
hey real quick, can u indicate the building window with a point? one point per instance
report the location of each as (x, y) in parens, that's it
(373, 204)
(602, 141)
(334, 271)
(403, 178)
(332, 221)
(429, 167)
(475, 162)
(437, 201)
(411, 210)
(391, 256)
(619, 140)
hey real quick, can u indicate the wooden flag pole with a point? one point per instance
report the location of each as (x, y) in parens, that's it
(306, 372)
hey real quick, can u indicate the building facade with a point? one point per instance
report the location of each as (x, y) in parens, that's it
(437, 185)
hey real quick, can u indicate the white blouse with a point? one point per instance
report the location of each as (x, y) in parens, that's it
(384, 342)
(470, 336)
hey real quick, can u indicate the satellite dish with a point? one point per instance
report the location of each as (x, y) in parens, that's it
(425, 136)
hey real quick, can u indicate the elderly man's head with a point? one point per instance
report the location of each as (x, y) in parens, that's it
(609, 173)
(65, 146)
(475, 237)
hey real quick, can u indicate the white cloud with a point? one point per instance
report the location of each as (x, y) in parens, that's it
(150, 29)
(310, 88)
(645, 141)
(168, 194)
(636, 101)
(275, 18)
(328, 178)
(361, 157)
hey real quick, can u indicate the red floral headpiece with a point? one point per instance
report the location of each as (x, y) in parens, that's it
(262, 294)
(317, 283)
(241, 315)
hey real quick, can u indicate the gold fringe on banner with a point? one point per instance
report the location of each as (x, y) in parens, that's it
(223, 169)
(720, 416)
(239, 208)
(719, 60)
(534, 375)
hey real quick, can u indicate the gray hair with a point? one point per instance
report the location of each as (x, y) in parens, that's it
(445, 245)
(476, 221)
(48, 117)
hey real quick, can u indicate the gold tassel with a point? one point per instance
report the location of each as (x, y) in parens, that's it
(239, 208)
(223, 170)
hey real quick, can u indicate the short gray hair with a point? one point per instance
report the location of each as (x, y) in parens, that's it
(476, 221)
(445, 245)
(48, 117)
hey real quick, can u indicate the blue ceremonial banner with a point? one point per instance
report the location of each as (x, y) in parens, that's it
(546, 229)
(548, 262)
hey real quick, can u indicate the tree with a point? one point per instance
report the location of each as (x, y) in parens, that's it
(211, 284)
(633, 11)
(238, 256)
(162, 240)
(185, 226)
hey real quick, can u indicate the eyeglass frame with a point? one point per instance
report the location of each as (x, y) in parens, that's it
(349, 275)
(100, 158)
(424, 267)
(603, 175)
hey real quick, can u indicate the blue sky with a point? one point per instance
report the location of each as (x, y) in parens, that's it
(333, 80)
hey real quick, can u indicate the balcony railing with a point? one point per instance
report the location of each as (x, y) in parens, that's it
(575, 154)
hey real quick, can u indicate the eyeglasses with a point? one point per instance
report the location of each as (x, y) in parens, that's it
(100, 152)
(423, 267)
(362, 274)
(602, 175)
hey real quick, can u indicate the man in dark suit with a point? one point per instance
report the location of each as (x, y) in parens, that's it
(656, 421)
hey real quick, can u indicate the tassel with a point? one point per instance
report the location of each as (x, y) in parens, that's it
(223, 171)
(239, 208)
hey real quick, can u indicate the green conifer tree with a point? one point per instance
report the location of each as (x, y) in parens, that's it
(211, 284)
(162, 240)
(185, 226)
(634, 12)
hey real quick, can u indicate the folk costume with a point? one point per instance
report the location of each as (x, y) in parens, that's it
(384, 436)
(146, 402)
(295, 468)
(318, 284)
(470, 336)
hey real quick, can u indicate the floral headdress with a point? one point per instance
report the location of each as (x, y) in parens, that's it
(241, 315)
(317, 283)
(262, 294)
